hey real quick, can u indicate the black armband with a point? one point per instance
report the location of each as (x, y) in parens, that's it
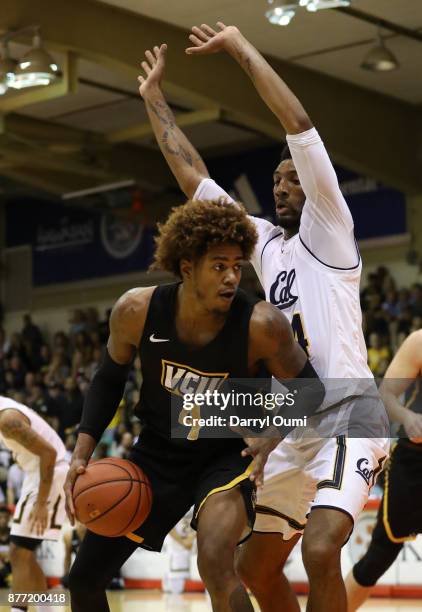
(104, 395)
(307, 371)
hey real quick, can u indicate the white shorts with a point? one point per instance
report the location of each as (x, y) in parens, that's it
(56, 506)
(309, 473)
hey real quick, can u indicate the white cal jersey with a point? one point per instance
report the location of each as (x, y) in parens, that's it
(313, 277)
(29, 462)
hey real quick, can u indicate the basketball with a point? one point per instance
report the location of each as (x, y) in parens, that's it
(113, 497)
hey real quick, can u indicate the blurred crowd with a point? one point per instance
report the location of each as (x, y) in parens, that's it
(390, 314)
(52, 376)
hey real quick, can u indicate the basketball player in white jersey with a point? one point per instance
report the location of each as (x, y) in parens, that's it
(40, 511)
(310, 269)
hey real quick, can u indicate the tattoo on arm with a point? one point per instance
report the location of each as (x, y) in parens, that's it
(170, 138)
(179, 150)
(245, 61)
(163, 112)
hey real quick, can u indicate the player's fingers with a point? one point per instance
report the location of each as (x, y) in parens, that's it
(195, 40)
(256, 474)
(146, 67)
(80, 470)
(248, 452)
(150, 57)
(200, 34)
(141, 79)
(221, 25)
(160, 51)
(70, 513)
(209, 31)
(68, 487)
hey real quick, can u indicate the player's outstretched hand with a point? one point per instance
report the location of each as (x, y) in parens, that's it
(154, 67)
(207, 40)
(259, 449)
(38, 518)
(76, 468)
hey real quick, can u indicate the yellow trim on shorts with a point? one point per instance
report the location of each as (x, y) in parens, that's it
(385, 520)
(134, 537)
(226, 487)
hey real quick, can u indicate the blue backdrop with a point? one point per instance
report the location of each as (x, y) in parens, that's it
(71, 244)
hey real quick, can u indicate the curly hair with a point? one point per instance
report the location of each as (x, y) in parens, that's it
(194, 227)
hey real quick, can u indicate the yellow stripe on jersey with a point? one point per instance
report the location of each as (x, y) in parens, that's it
(385, 520)
(226, 487)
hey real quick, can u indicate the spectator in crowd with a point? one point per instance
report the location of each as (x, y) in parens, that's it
(18, 371)
(59, 368)
(390, 313)
(104, 327)
(71, 406)
(17, 348)
(378, 355)
(4, 344)
(32, 338)
(5, 567)
(78, 322)
(69, 442)
(39, 401)
(14, 484)
(390, 305)
(126, 443)
(416, 299)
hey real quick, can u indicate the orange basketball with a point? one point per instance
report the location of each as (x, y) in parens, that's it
(113, 497)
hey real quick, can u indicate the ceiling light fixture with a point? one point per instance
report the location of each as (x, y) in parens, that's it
(282, 13)
(7, 68)
(36, 67)
(318, 5)
(380, 58)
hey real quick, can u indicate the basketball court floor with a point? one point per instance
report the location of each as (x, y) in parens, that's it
(134, 600)
(153, 601)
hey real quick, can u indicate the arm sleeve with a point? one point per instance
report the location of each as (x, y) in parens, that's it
(103, 397)
(326, 226)
(209, 190)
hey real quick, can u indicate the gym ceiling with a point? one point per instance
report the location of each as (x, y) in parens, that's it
(90, 127)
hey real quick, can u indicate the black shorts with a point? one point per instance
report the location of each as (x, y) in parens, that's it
(181, 479)
(401, 509)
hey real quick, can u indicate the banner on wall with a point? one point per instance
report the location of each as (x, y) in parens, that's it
(70, 244)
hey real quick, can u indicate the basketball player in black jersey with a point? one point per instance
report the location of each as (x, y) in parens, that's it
(187, 333)
(400, 513)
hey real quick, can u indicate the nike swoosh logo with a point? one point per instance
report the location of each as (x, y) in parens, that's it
(152, 339)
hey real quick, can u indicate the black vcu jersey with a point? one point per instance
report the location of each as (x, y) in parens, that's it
(185, 472)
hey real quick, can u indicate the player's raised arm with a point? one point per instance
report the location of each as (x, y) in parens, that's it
(107, 387)
(402, 372)
(16, 426)
(328, 234)
(272, 89)
(183, 159)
